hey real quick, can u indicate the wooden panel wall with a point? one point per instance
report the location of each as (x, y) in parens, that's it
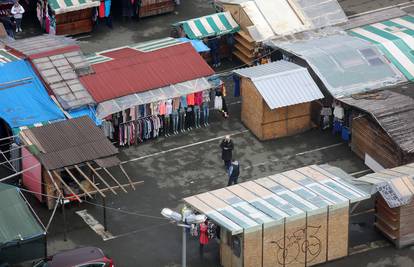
(75, 22)
(273, 244)
(368, 137)
(252, 249)
(295, 235)
(317, 226)
(338, 225)
(239, 16)
(252, 107)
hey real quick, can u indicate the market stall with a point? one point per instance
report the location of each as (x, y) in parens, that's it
(155, 7)
(215, 30)
(262, 20)
(66, 17)
(76, 168)
(143, 95)
(382, 128)
(295, 218)
(394, 203)
(276, 99)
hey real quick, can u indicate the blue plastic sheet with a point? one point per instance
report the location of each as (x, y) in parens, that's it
(23, 98)
(86, 111)
(198, 45)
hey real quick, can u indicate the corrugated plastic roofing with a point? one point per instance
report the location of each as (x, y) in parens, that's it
(41, 45)
(248, 206)
(69, 142)
(282, 83)
(395, 38)
(130, 71)
(60, 73)
(346, 65)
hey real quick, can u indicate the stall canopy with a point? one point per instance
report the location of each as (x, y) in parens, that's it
(247, 206)
(346, 65)
(23, 99)
(211, 25)
(65, 6)
(395, 38)
(6, 56)
(373, 17)
(394, 112)
(17, 223)
(128, 71)
(270, 18)
(198, 45)
(282, 83)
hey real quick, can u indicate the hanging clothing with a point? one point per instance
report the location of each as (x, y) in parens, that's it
(218, 102)
(183, 102)
(162, 108)
(190, 100)
(198, 98)
(203, 234)
(176, 103)
(168, 107)
(236, 80)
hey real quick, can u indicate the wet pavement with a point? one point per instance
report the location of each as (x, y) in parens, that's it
(189, 163)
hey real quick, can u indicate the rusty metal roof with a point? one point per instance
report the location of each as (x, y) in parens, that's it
(68, 143)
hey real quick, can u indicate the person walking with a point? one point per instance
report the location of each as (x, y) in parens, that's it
(17, 11)
(234, 172)
(203, 236)
(227, 147)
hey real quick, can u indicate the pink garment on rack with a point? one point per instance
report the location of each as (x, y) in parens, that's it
(198, 98)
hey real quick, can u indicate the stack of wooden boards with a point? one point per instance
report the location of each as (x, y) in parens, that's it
(394, 203)
(245, 48)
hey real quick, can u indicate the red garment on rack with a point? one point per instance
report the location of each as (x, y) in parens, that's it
(102, 10)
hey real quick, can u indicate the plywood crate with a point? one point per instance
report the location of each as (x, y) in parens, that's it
(74, 22)
(155, 7)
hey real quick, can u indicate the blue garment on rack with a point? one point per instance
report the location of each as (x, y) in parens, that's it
(236, 80)
(107, 8)
(183, 101)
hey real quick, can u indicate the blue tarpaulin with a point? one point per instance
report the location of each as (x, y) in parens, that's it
(198, 45)
(86, 111)
(23, 98)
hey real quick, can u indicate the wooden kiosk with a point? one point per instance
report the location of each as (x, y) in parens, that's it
(296, 218)
(276, 99)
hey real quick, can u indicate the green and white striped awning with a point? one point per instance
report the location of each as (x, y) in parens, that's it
(148, 46)
(395, 38)
(6, 57)
(64, 6)
(211, 25)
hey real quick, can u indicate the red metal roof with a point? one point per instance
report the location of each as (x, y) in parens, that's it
(132, 71)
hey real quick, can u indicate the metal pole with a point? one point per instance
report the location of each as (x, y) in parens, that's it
(184, 258)
(45, 245)
(104, 214)
(64, 219)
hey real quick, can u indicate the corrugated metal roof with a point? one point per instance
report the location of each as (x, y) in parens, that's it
(395, 38)
(131, 71)
(375, 17)
(282, 83)
(394, 112)
(247, 206)
(6, 56)
(69, 142)
(60, 73)
(346, 65)
(279, 18)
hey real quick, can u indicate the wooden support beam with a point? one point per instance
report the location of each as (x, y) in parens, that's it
(114, 187)
(113, 178)
(100, 178)
(89, 180)
(127, 176)
(67, 187)
(76, 180)
(54, 183)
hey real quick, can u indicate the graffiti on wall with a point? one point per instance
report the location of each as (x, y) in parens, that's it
(292, 247)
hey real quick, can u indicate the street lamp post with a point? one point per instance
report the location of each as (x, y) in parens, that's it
(184, 221)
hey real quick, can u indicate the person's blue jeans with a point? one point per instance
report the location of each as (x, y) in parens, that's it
(182, 119)
(197, 116)
(174, 117)
(206, 112)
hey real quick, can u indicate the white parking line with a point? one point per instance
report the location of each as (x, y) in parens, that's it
(294, 155)
(183, 147)
(95, 225)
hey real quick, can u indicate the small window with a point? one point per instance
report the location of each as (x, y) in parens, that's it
(375, 61)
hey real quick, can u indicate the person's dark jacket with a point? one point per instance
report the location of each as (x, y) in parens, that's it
(235, 171)
(226, 150)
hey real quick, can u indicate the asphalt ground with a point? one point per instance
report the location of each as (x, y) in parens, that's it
(189, 163)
